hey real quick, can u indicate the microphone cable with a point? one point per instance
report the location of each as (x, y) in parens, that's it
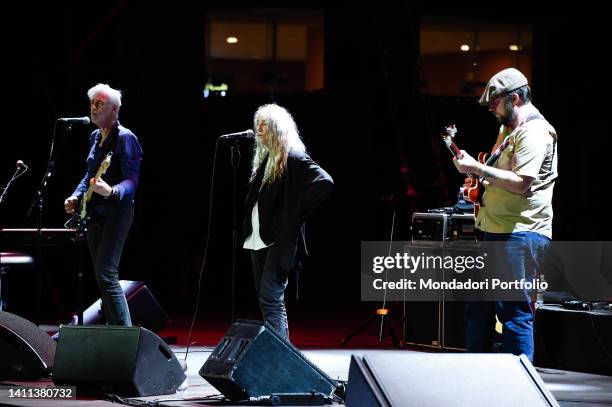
(206, 244)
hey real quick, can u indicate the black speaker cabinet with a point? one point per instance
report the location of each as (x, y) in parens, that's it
(437, 324)
(579, 340)
(252, 360)
(404, 378)
(145, 311)
(126, 361)
(26, 351)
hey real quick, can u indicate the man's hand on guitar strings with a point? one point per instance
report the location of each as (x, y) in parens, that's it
(101, 187)
(467, 164)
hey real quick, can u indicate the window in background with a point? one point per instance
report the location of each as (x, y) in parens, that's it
(266, 51)
(458, 58)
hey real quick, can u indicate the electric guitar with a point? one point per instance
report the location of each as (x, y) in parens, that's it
(472, 187)
(82, 216)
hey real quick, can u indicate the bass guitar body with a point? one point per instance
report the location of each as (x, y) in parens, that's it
(82, 216)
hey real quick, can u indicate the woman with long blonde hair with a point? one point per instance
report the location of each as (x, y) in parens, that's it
(285, 187)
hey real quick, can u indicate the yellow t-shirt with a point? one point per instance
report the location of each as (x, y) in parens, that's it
(532, 152)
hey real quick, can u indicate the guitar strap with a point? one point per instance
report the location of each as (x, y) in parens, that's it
(533, 117)
(109, 145)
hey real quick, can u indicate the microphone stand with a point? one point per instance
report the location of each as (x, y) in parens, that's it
(235, 161)
(16, 175)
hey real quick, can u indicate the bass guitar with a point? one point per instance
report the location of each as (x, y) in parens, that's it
(82, 216)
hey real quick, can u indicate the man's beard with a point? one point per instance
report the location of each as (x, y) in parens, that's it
(509, 115)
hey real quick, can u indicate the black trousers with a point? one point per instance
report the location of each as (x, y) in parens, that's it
(270, 283)
(106, 238)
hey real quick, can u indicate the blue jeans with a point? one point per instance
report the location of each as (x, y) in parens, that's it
(106, 238)
(270, 284)
(522, 257)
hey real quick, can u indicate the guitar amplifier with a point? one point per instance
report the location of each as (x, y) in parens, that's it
(429, 226)
(462, 227)
(441, 226)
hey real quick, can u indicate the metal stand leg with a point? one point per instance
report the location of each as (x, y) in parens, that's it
(383, 327)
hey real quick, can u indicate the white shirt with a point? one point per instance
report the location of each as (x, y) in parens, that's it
(254, 241)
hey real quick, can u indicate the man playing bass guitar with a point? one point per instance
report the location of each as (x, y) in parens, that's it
(517, 207)
(111, 206)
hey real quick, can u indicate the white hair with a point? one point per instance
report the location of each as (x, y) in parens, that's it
(283, 138)
(114, 95)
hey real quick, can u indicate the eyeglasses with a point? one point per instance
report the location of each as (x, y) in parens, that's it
(493, 104)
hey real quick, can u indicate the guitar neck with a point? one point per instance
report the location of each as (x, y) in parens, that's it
(89, 191)
(455, 151)
(101, 171)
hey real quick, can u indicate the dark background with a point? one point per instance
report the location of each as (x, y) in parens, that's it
(370, 128)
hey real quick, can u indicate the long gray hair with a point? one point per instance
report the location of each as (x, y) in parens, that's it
(283, 138)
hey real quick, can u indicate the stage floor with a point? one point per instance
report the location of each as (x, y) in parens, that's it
(570, 388)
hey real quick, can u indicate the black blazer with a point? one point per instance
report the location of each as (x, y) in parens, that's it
(285, 204)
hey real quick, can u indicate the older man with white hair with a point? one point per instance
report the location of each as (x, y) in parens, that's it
(111, 207)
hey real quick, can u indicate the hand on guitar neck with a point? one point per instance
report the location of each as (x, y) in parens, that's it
(464, 162)
(100, 187)
(473, 186)
(79, 208)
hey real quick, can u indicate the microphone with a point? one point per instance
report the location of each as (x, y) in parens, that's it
(82, 120)
(235, 136)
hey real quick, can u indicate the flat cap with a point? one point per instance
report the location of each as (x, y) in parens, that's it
(502, 82)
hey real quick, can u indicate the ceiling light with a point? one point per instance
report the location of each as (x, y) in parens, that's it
(465, 47)
(514, 47)
(231, 40)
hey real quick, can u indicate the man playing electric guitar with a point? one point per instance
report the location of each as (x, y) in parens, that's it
(517, 207)
(82, 216)
(473, 188)
(112, 201)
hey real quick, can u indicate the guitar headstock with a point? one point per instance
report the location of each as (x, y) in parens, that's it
(451, 131)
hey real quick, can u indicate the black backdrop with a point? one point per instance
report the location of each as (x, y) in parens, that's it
(368, 123)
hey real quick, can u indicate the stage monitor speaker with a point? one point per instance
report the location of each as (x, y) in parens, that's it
(126, 361)
(145, 311)
(253, 360)
(574, 339)
(26, 351)
(404, 378)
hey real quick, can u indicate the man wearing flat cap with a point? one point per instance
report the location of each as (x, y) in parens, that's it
(517, 208)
